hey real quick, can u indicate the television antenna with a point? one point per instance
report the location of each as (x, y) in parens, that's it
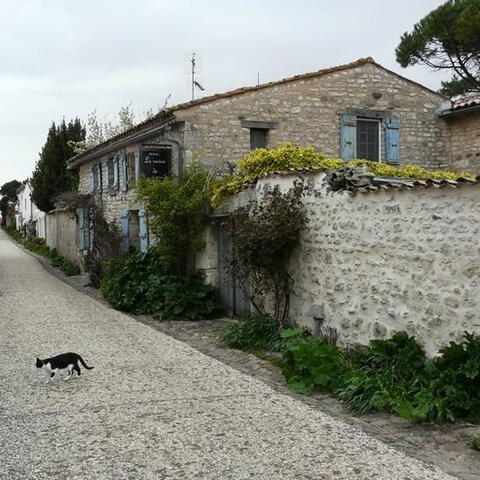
(195, 84)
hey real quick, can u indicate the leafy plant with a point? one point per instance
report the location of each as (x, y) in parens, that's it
(266, 234)
(178, 210)
(262, 161)
(453, 389)
(474, 443)
(310, 363)
(144, 283)
(257, 332)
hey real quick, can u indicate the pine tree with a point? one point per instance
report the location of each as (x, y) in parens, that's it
(448, 38)
(51, 176)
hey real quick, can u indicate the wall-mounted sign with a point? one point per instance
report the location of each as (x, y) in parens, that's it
(156, 163)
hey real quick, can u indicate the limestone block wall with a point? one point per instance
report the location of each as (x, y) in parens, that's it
(464, 144)
(389, 261)
(307, 112)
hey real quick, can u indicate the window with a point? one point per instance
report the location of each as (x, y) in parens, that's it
(258, 138)
(111, 172)
(368, 139)
(371, 135)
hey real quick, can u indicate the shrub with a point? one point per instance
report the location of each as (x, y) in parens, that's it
(144, 283)
(178, 210)
(391, 375)
(261, 162)
(474, 443)
(266, 234)
(310, 363)
(254, 332)
(453, 385)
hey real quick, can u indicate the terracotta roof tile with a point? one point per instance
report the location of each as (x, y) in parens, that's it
(471, 100)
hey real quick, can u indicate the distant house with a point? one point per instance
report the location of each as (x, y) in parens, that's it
(27, 212)
(463, 122)
(358, 110)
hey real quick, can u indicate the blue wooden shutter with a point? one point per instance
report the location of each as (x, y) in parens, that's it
(86, 229)
(348, 137)
(115, 173)
(80, 229)
(123, 173)
(93, 179)
(143, 227)
(392, 140)
(125, 219)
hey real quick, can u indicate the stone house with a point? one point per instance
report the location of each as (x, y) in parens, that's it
(463, 123)
(358, 110)
(26, 212)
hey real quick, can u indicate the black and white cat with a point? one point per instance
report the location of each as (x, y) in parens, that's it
(71, 361)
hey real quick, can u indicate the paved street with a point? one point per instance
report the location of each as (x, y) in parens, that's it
(153, 408)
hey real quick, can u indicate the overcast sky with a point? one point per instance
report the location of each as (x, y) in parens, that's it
(65, 59)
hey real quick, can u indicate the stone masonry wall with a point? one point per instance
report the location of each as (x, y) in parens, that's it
(389, 261)
(308, 112)
(464, 145)
(62, 234)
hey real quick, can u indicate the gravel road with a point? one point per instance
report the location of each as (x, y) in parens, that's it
(153, 408)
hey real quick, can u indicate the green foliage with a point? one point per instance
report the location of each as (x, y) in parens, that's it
(8, 197)
(408, 171)
(447, 38)
(474, 443)
(37, 245)
(391, 375)
(51, 177)
(178, 212)
(144, 283)
(262, 161)
(453, 389)
(384, 375)
(310, 363)
(266, 234)
(257, 332)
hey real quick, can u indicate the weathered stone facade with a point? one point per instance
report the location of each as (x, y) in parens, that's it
(464, 141)
(387, 261)
(307, 112)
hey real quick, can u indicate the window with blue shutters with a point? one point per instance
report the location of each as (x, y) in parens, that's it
(375, 137)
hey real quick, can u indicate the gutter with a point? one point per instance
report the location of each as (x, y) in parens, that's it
(118, 144)
(451, 113)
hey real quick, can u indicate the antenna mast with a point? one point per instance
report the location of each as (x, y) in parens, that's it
(193, 75)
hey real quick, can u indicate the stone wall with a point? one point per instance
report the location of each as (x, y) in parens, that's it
(464, 144)
(389, 261)
(61, 233)
(307, 112)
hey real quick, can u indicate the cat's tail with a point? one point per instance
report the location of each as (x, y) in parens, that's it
(80, 359)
